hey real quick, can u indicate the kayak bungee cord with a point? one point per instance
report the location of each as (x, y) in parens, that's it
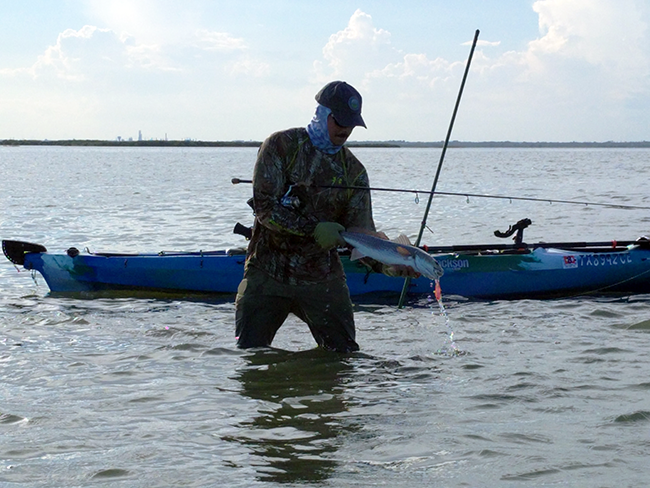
(236, 181)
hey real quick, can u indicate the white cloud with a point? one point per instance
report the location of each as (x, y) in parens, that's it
(599, 31)
(585, 74)
(249, 67)
(91, 53)
(353, 52)
(99, 54)
(364, 54)
(415, 68)
(218, 41)
(585, 77)
(482, 43)
(611, 37)
(92, 82)
(399, 88)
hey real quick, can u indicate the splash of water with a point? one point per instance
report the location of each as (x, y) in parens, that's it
(449, 348)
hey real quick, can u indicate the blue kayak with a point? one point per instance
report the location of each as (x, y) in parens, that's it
(483, 272)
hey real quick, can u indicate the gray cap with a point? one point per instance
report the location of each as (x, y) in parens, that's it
(344, 102)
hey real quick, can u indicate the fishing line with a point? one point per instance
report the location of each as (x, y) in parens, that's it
(604, 288)
(502, 197)
(236, 181)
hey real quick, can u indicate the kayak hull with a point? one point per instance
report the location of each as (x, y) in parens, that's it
(536, 273)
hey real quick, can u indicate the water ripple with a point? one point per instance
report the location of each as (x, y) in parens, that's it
(149, 390)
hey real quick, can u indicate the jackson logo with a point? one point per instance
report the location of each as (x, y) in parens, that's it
(354, 104)
(570, 262)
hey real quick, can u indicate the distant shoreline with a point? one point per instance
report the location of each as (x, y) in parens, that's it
(379, 144)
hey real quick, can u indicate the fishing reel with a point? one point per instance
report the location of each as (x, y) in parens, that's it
(295, 197)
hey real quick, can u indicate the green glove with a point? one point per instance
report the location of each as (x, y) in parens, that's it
(327, 234)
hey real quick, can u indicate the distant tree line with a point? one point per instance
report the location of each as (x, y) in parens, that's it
(382, 144)
(611, 144)
(152, 143)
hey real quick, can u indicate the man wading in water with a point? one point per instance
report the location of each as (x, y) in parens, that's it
(292, 264)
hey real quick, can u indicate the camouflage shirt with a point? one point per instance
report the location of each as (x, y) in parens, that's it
(282, 243)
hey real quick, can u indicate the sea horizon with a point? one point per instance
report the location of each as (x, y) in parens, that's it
(354, 143)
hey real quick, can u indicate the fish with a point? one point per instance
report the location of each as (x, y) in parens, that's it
(397, 252)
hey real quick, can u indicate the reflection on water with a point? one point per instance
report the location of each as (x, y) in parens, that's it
(295, 432)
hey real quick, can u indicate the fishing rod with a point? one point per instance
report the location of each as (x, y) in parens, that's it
(407, 281)
(236, 181)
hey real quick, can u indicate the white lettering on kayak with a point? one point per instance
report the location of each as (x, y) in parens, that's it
(454, 263)
(607, 259)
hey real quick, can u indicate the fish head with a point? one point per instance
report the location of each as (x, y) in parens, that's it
(428, 266)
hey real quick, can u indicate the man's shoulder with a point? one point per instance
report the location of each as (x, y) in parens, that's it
(288, 136)
(284, 143)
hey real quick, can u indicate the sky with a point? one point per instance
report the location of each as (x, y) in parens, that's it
(223, 70)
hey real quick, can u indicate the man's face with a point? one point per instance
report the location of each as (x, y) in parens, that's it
(338, 134)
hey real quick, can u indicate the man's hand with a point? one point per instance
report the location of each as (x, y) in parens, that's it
(327, 234)
(398, 270)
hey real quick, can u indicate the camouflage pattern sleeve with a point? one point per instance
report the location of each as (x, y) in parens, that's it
(270, 185)
(359, 211)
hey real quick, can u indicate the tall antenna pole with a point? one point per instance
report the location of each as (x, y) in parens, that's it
(407, 281)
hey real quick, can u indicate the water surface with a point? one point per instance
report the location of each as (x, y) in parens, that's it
(149, 390)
